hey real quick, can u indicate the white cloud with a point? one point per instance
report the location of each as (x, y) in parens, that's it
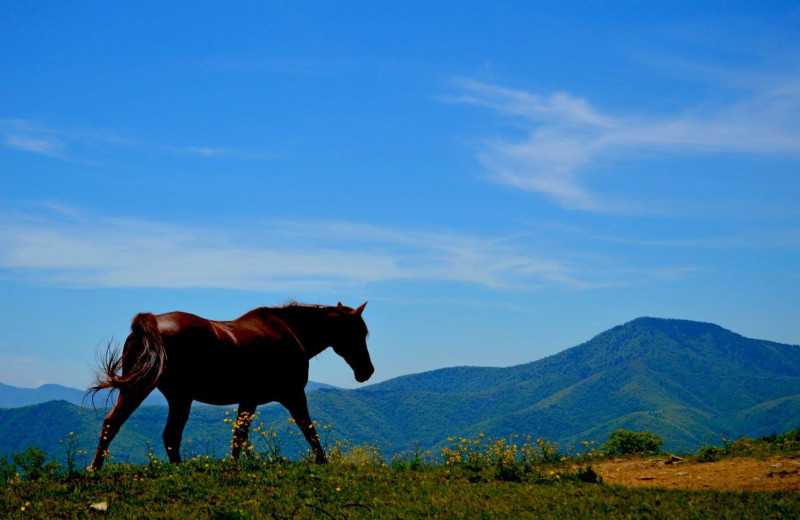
(566, 136)
(205, 151)
(761, 240)
(76, 144)
(67, 249)
(40, 145)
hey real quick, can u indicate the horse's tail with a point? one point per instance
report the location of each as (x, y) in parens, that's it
(141, 363)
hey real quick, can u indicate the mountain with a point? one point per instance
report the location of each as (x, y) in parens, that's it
(15, 397)
(690, 382)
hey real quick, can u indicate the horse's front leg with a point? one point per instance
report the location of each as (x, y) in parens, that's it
(241, 427)
(298, 407)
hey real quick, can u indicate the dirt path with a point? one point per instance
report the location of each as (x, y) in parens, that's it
(737, 474)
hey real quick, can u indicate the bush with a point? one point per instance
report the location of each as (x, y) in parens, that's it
(34, 465)
(627, 442)
(8, 470)
(709, 453)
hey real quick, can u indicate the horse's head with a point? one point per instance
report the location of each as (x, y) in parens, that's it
(350, 340)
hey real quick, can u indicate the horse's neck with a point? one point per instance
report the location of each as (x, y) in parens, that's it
(307, 323)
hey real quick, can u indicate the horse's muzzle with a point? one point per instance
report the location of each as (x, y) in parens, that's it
(364, 374)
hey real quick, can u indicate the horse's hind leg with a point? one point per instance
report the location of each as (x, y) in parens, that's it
(173, 431)
(241, 427)
(127, 402)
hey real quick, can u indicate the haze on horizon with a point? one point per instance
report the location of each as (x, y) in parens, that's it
(500, 182)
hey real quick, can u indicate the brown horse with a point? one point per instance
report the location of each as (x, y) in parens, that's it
(258, 358)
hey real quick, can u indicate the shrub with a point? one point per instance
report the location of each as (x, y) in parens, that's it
(709, 453)
(627, 442)
(8, 470)
(34, 465)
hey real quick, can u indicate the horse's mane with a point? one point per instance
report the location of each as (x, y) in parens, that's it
(291, 305)
(294, 304)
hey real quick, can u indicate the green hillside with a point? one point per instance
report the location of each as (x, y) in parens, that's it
(690, 382)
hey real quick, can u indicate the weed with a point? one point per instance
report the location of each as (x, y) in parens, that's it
(73, 452)
(414, 461)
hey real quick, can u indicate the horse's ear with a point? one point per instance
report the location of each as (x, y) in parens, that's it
(361, 309)
(339, 305)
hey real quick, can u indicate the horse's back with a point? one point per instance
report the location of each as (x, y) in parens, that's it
(247, 328)
(215, 361)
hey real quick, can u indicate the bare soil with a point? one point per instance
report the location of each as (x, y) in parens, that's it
(780, 473)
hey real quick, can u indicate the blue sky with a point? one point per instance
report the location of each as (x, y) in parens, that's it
(500, 182)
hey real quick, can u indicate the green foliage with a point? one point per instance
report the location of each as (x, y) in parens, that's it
(709, 453)
(414, 460)
(8, 470)
(480, 477)
(788, 437)
(205, 488)
(787, 443)
(517, 460)
(626, 442)
(33, 464)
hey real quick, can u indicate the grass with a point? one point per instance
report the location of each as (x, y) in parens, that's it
(471, 478)
(225, 490)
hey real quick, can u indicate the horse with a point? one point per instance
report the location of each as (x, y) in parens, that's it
(260, 357)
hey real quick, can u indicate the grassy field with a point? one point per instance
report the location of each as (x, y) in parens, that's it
(472, 478)
(221, 489)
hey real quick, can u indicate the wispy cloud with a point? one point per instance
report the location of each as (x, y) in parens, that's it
(567, 136)
(80, 144)
(41, 145)
(762, 239)
(65, 248)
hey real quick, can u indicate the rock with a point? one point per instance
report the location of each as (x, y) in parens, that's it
(673, 459)
(99, 506)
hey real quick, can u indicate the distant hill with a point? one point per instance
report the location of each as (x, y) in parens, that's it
(15, 397)
(690, 382)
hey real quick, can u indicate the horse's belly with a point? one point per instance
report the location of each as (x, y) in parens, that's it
(225, 382)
